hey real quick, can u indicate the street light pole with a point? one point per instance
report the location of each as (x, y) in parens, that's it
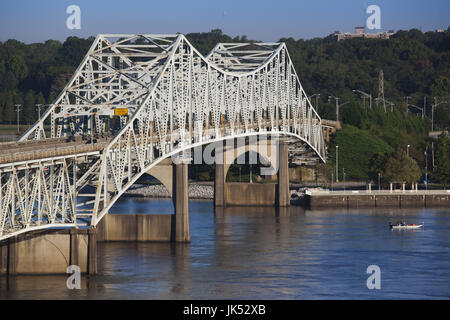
(379, 187)
(39, 105)
(407, 150)
(365, 95)
(18, 112)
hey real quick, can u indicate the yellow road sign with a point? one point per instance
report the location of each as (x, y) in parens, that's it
(121, 111)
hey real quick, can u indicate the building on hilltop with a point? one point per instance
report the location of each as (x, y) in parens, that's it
(360, 33)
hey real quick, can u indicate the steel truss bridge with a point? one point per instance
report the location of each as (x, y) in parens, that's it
(133, 101)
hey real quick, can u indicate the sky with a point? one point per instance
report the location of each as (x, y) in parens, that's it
(266, 20)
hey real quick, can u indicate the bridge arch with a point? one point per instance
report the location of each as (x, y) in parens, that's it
(170, 155)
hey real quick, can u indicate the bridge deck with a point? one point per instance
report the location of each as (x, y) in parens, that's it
(13, 152)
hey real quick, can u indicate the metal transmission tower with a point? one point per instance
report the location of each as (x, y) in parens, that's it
(139, 99)
(381, 89)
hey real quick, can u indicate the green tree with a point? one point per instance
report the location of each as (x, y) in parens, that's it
(377, 165)
(8, 108)
(29, 107)
(400, 167)
(442, 173)
(356, 149)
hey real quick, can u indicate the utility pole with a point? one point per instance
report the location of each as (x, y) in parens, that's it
(337, 164)
(432, 114)
(365, 95)
(432, 155)
(18, 112)
(337, 109)
(337, 106)
(317, 102)
(381, 88)
(424, 106)
(343, 176)
(407, 103)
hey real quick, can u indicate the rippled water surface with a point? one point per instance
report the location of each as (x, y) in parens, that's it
(263, 253)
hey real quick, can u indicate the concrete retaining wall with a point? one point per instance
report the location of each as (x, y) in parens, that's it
(378, 201)
(327, 202)
(49, 252)
(437, 200)
(135, 227)
(250, 194)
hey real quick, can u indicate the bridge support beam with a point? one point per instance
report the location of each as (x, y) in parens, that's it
(283, 194)
(180, 220)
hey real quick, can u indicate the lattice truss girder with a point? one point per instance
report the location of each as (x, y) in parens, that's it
(176, 99)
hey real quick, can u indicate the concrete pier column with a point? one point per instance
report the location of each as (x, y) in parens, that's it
(180, 220)
(3, 258)
(92, 251)
(8, 256)
(219, 180)
(74, 258)
(283, 196)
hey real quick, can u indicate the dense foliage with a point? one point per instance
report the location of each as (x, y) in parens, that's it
(356, 148)
(443, 160)
(415, 64)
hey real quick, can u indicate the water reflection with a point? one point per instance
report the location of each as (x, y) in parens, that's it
(266, 253)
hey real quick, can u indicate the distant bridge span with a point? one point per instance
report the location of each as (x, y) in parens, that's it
(134, 101)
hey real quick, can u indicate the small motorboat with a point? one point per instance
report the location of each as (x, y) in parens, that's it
(404, 225)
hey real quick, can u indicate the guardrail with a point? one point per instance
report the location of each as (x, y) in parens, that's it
(375, 192)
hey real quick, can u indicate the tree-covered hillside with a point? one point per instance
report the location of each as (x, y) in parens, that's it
(416, 69)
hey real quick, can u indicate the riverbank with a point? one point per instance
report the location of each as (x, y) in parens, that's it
(196, 191)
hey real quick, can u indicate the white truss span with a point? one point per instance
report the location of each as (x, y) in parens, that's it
(176, 100)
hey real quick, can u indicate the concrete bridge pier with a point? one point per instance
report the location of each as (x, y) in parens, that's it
(219, 180)
(154, 227)
(49, 252)
(283, 193)
(252, 194)
(180, 220)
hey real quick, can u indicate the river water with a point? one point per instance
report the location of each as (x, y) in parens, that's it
(264, 253)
